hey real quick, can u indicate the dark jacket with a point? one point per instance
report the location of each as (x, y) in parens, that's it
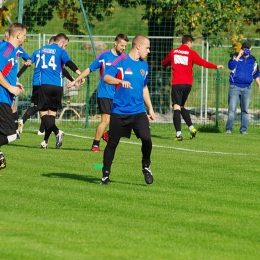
(243, 71)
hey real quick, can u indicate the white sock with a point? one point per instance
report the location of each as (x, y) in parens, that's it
(178, 133)
(191, 127)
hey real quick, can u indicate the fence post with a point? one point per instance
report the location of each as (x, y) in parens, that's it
(87, 103)
(20, 11)
(217, 96)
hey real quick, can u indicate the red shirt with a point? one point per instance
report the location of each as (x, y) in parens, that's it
(182, 60)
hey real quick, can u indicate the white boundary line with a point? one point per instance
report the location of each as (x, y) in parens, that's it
(168, 147)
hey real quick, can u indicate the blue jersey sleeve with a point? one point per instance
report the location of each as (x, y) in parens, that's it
(22, 53)
(64, 56)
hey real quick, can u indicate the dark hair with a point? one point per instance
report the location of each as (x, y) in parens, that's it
(52, 39)
(121, 36)
(14, 27)
(187, 38)
(60, 37)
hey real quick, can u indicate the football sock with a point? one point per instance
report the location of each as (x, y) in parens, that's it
(29, 112)
(186, 116)
(15, 116)
(178, 133)
(177, 120)
(96, 143)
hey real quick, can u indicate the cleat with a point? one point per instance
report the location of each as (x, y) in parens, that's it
(41, 133)
(95, 148)
(193, 133)
(178, 138)
(18, 135)
(105, 181)
(244, 133)
(20, 126)
(105, 136)
(2, 161)
(44, 145)
(228, 132)
(148, 176)
(59, 138)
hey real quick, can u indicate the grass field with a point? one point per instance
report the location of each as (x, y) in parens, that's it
(204, 202)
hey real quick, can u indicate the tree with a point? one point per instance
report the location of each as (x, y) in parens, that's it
(5, 13)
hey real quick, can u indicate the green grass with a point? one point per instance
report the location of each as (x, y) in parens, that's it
(203, 204)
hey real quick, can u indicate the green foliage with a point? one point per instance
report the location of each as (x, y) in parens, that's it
(206, 17)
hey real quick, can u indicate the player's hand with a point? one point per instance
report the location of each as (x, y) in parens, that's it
(82, 81)
(220, 67)
(77, 84)
(72, 83)
(20, 86)
(28, 63)
(126, 84)
(151, 117)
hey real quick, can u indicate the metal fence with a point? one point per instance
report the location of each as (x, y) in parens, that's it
(210, 89)
(93, 25)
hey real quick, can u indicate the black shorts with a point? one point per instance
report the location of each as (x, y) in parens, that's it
(34, 98)
(122, 126)
(104, 105)
(7, 125)
(49, 98)
(180, 94)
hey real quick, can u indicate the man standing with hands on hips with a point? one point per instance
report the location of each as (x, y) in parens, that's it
(244, 70)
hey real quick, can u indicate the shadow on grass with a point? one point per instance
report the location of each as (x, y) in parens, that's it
(50, 147)
(90, 179)
(209, 129)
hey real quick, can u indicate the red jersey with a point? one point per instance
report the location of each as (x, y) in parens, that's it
(182, 60)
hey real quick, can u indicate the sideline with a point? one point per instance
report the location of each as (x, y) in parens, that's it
(167, 147)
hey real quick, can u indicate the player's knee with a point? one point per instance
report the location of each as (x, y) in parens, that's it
(11, 138)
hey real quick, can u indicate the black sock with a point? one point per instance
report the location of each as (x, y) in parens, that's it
(186, 116)
(29, 112)
(177, 120)
(42, 127)
(96, 143)
(15, 116)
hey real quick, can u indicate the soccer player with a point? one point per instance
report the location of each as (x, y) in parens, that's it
(129, 74)
(52, 59)
(182, 60)
(105, 92)
(35, 58)
(20, 53)
(9, 88)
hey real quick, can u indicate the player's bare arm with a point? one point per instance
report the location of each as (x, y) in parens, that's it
(114, 81)
(148, 103)
(12, 89)
(80, 77)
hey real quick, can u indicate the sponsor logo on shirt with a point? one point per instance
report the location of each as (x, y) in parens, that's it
(108, 63)
(128, 71)
(181, 52)
(50, 51)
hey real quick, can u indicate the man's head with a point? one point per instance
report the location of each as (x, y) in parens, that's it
(246, 47)
(52, 39)
(142, 44)
(121, 41)
(17, 33)
(62, 40)
(188, 40)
